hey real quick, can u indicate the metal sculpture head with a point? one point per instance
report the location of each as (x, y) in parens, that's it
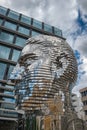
(47, 64)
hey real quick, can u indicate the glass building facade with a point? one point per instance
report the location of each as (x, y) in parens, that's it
(15, 29)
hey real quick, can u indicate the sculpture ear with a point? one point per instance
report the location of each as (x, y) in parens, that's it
(57, 62)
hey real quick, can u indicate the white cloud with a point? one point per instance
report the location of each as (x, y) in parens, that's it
(81, 45)
(83, 5)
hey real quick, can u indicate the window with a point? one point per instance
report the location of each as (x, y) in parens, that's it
(9, 114)
(3, 10)
(4, 52)
(8, 92)
(57, 31)
(82, 94)
(10, 70)
(23, 30)
(10, 25)
(26, 19)
(2, 70)
(47, 28)
(86, 92)
(9, 100)
(9, 86)
(20, 41)
(1, 21)
(13, 14)
(7, 105)
(6, 37)
(85, 112)
(34, 33)
(15, 55)
(37, 24)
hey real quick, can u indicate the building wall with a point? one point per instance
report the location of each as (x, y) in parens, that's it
(84, 100)
(15, 29)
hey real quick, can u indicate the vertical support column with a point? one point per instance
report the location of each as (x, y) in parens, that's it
(67, 102)
(59, 122)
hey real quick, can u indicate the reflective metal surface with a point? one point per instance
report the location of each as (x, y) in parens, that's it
(47, 64)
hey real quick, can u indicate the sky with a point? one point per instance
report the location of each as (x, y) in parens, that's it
(68, 15)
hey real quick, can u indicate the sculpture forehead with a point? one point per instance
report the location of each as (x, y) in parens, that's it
(41, 38)
(45, 43)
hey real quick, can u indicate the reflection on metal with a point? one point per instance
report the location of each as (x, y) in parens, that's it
(46, 66)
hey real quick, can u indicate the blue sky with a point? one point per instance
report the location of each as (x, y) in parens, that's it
(70, 16)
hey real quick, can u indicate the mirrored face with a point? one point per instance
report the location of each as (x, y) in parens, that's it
(48, 64)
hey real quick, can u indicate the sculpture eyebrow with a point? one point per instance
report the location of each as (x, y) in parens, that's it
(26, 56)
(33, 42)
